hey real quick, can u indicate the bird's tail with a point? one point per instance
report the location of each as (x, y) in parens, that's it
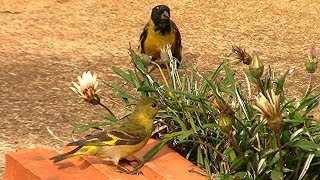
(66, 155)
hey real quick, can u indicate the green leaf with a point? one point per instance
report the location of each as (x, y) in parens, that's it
(124, 75)
(172, 135)
(240, 175)
(115, 87)
(281, 81)
(211, 79)
(154, 150)
(306, 165)
(274, 159)
(111, 118)
(138, 62)
(242, 103)
(295, 134)
(230, 76)
(261, 165)
(276, 174)
(223, 176)
(185, 134)
(236, 164)
(310, 108)
(308, 102)
(253, 79)
(122, 96)
(190, 151)
(306, 145)
(207, 164)
(146, 89)
(134, 78)
(200, 161)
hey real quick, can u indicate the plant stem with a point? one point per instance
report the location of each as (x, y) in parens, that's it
(309, 85)
(161, 72)
(105, 107)
(209, 145)
(168, 69)
(236, 147)
(280, 149)
(259, 84)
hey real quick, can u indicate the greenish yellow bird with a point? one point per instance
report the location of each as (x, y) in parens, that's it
(121, 139)
(158, 32)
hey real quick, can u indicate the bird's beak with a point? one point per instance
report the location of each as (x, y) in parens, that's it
(165, 15)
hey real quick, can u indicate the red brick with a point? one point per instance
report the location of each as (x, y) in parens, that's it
(35, 164)
(168, 164)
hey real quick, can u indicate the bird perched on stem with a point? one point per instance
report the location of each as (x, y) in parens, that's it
(159, 32)
(121, 139)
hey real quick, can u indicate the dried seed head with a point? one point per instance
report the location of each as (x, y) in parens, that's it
(242, 55)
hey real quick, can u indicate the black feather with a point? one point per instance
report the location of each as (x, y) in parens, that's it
(143, 38)
(66, 155)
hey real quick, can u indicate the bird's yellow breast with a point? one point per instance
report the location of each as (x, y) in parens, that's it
(155, 41)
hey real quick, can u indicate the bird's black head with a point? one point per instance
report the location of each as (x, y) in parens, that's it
(161, 18)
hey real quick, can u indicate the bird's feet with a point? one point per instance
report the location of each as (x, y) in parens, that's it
(127, 161)
(127, 171)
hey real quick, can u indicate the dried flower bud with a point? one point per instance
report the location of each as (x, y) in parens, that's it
(225, 124)
(165, 53)
(242, 55)
(146, 60)
(312, 62)
(256, 67)
(313, 53)
(275, 124)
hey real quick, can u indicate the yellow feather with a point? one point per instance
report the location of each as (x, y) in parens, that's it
(141, 118)
(88, 150)
(155, 40)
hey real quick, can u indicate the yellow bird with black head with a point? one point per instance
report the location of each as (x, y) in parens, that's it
(158, 32)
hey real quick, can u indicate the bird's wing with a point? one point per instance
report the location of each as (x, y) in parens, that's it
(143, 38)
(177, 52)
(126, 135)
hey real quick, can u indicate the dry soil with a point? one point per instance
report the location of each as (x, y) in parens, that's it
(45, 44)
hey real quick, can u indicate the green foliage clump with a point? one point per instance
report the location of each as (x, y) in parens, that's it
(215, 123)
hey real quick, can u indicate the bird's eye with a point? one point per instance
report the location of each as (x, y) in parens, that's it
(154, 105)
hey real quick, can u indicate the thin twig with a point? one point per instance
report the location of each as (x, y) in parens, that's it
(56, 137)
(10, 12)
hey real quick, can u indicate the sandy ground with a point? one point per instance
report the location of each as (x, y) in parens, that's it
(45, 44)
